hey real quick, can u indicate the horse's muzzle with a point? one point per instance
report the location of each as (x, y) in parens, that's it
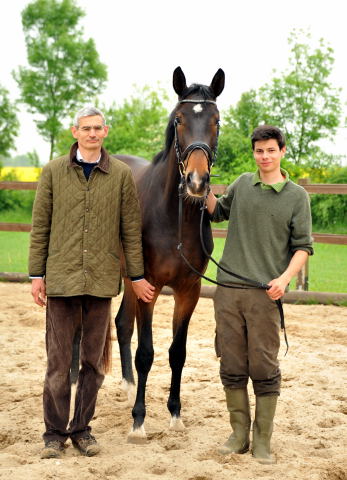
(196, 184)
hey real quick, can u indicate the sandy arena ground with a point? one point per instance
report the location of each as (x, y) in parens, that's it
(310, 434)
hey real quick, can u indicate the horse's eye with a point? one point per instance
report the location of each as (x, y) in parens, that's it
(218, 122)
(178, 120)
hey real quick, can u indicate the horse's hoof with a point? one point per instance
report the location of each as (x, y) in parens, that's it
(130, 389)
(177, 424)
(137, 436)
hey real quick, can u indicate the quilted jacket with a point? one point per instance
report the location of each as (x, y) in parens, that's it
(79, 227)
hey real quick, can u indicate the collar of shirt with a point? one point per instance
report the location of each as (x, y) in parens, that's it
(275, 186)
(80, 158)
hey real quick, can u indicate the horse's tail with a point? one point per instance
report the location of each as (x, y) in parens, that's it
(107, 354)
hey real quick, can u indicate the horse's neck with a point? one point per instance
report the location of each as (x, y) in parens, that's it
(172, 179)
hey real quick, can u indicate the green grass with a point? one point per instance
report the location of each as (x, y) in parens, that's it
(15, 216)
(14, 252)
(327, 267)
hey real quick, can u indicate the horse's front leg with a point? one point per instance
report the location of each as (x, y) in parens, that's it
(185, 303)
(143, 363)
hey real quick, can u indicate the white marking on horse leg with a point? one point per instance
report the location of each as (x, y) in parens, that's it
(177, 424)
(130, 389)
(197, 108)
(137, 436)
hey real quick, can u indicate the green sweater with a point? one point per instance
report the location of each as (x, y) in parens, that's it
(265, 228)
(80, 227)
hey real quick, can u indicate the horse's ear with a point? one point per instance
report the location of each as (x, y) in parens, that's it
(179, 81)
(217, 84)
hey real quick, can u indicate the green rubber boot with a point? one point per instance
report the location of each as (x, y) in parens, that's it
(240, 421)
(262, 428)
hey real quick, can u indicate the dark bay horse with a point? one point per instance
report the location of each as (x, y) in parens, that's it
(191, 142)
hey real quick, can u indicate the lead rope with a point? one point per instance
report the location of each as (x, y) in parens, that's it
(257, 284)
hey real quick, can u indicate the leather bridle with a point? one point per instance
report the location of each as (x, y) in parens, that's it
(210, 153)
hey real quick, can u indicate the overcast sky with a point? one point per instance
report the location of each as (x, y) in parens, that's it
(143, 41)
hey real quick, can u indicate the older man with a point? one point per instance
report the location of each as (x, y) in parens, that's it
(86, 209)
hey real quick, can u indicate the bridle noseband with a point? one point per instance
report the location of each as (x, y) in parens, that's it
(210, 153)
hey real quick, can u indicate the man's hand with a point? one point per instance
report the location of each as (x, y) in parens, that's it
(143, 290)
(38, 291)
(278, 286)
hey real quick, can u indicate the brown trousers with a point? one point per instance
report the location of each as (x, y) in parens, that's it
(247, 339)
(63, 317)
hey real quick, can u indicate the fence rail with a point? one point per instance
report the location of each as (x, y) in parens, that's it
(335, 239)
(302, 278)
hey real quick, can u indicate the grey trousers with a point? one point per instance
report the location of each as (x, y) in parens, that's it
(247, 339)
(64, 315)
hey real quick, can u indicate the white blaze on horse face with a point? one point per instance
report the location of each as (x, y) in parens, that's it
(197, 108)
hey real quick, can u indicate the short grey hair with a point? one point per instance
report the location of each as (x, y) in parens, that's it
(88, 111)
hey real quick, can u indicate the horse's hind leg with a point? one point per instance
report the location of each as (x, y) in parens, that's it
(185, 303)
(124, 320)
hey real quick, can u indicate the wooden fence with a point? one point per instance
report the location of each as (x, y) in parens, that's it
(302, 279)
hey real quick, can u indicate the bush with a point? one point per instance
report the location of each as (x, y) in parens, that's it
(15, 199)
(330, 210)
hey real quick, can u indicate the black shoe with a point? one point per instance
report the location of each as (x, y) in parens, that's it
(87, 445)
(53, 449)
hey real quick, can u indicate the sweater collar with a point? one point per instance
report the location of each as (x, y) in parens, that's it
(278, 187)
(103, 165)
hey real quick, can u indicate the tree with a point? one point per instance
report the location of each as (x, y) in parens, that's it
(137, 127)
(65, 69)
(8, 122)
(302, 101)
(234, 149)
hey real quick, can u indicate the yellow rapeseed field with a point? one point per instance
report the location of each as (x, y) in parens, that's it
(23, 174)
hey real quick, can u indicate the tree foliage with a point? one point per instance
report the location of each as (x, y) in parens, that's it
(301, 102)
(65, 70)
(9, 124)
(234, 149)
(137, 127)
(331, 210)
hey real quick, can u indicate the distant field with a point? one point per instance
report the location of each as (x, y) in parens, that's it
(23, 174)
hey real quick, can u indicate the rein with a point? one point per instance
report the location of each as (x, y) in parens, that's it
(211, 156)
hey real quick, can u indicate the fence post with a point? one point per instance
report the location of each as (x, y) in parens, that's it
(302, 280)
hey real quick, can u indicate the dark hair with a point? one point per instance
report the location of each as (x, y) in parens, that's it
(267, 132)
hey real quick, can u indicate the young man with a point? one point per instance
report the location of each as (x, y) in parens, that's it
(269, 240)
(85, 208)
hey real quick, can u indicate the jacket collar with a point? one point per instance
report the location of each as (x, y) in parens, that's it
(103, 165)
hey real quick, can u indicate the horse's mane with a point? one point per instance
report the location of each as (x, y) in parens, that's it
(202, 91)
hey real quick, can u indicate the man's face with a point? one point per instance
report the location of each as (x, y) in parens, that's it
(268, 155)
(90, 132)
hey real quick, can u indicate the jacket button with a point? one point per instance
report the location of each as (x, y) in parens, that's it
(85, 251)
(86, 230)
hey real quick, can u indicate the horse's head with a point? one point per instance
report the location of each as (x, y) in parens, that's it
(196, 125)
